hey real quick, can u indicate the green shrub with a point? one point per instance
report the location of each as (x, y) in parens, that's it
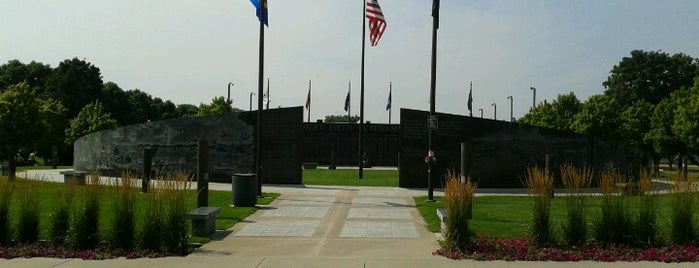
(6, 190)
(60, 219)
(176, 227)
(540, 186)
(458, 198)
(646, 221)
(613, 225)
(29, 212)
(84, 231)
(150, 236)
(683, 229)
(575, 225)
(124, 207)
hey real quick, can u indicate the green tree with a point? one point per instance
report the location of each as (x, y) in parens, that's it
(19, 120)
(559, 114)
(635, 124)
(598, 117)
(650, 76)
(686, 121)
(340, 119)
(218, 105)
(187, 110)
(54, 121)
(141, 107)
(661, 136)
(15, 72)
(74, 83)
(116, 102)
(93, 117)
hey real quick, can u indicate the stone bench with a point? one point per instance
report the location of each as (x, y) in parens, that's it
(310, 165)
(442, 215)
(631, 188)
(4, 168)
(203, 220)
(74, 176)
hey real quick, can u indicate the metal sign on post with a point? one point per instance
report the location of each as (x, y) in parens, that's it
(432, 122)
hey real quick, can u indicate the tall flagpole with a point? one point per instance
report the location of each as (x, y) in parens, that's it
(349, 105)
(470, 99)
(309, 103)
(268, 96)
(361, 94)
(260, 94)
(433, 83)
(390, 108)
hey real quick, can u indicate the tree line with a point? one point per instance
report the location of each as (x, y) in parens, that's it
(650, 101)
(42, 107)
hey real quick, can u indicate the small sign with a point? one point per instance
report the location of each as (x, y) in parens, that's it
(432, 122)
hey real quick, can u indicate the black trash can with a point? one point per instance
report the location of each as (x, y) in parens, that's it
(244, 190)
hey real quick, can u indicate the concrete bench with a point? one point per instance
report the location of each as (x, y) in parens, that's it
(74, 176)
(203, 220)
(631, 188)
(442, 215)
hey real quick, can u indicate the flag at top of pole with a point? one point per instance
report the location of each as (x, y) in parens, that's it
(388, 103)
(256, 3)
(377, 23)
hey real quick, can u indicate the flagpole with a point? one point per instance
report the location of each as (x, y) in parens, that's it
(433, 83)
(390, 108)
(361, 94)
(309, 101)
(268, 96)
(260, 84)
(470, 100)
(349, 104)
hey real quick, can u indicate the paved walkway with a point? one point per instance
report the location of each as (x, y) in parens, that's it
(316, 226)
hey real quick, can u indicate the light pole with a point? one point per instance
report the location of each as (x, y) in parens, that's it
(495, 111)
(533, 89)
(251, 94)
(229, 92)
(511, 117)
(481, 110)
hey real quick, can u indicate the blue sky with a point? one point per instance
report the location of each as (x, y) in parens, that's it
(188, 51)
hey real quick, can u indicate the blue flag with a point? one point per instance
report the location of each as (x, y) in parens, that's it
(256, 3)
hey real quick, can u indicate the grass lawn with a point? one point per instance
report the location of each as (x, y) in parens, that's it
(350, 177)
(48, 191)
(510, 216)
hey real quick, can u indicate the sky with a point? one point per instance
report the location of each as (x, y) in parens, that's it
(189, 51)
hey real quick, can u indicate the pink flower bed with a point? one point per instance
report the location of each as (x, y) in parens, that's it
(33, 251)
(487, 249)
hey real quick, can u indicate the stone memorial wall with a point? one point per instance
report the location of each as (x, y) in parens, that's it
(323, 140)
(501, 152)
(231, 146)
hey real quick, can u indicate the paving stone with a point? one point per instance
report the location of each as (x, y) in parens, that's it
(380, 213)
(381, 201)
(308, 200)
(297, 212)
(355, 229)
(274, 228)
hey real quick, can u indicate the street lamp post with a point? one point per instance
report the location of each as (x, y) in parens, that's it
(511, 116)
(481, 110)
(495, 111)
(251, 94)
(229, 92)
(533, 89)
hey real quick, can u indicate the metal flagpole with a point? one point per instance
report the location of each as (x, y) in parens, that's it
(390, 108)
(309, 103)
(349, 104)
(433, 83)
(260, 84)
(361, 94)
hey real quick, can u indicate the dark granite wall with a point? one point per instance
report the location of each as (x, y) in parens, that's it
(231, 146)
(502, 151)
(381, 143)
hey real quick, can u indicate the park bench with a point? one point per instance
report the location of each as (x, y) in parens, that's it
(630, 188)
(74, 177)
(203, 220)
(4, 168)
(442, 215)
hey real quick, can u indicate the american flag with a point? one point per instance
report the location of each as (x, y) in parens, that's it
(377, 24)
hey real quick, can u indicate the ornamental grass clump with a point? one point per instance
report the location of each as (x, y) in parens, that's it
(176, 227)
(458, 199)
(613, 224)
(150, 236)
(540, 185)
(60, 219)
(647, 218)
(683, 228)
(6, 190)
(84, 231)
(124, 208)
(575, 224)
(29, 212)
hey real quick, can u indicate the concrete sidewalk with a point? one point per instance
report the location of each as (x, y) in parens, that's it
(317, 226)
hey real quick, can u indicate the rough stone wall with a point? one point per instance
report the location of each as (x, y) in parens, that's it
(502, 151)
(231, 146)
